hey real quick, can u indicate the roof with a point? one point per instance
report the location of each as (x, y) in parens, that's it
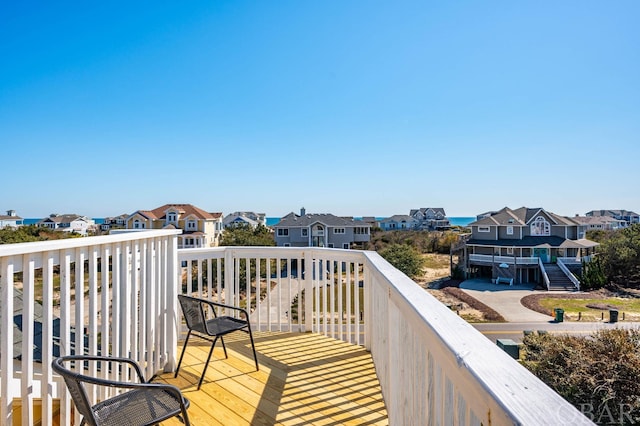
(520, 217)
(63, 218)
(551, 241)
(293, 220)
(596, 220)
(184, 210)
(6, 217)
(424, 209)
(399, 218)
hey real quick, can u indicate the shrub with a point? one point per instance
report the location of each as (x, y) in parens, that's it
(596, 374)
(405, 258)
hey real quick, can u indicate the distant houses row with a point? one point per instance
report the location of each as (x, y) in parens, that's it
(204, 229)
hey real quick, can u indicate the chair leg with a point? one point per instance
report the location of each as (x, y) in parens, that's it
(207, 363)
(253, 347)
(182, 354)
(224, 347)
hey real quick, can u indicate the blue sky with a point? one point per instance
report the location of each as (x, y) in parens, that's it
(345, 107)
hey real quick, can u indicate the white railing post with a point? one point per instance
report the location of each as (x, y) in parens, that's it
(307, 271)
(28, 317)
(173, 325)
(6, 344)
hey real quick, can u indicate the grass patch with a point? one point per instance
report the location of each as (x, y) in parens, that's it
(592, 309)
(435, 261)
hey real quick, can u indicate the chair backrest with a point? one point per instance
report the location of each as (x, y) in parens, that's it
(193, 312)
(76, 389)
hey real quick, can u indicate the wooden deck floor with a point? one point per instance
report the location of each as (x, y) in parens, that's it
(304, 379)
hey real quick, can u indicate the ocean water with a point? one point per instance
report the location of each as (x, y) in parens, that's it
(34, 220)
(455, 221)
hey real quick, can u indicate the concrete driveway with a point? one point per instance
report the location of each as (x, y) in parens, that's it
(505, 299)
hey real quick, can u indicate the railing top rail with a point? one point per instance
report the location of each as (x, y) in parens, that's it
(523, 396)
(68, 243)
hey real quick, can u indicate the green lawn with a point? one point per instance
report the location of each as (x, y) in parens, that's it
(574, 308)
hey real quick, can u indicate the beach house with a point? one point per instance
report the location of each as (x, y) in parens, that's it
(526, 245)
(321, 230)
(199, 227)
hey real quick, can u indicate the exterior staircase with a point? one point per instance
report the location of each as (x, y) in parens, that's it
(558, 280)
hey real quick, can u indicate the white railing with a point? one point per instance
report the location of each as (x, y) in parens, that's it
(543, 272)
(433, 367)
(510, 260)
(568, 273)
(112, 295)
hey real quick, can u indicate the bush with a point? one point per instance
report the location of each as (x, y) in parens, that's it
(598, 375)
(405, 258)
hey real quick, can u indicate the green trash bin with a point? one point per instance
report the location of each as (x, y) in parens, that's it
(613, 315)
(559, 314)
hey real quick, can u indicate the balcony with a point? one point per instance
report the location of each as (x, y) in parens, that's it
(343, 313)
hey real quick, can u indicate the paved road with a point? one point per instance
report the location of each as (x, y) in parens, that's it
(506, 300)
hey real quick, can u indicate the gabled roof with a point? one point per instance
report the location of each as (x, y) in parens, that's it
(399, 218)
(519, 217)
(425, 209)
(63, 218)
(293, 220)
(184, 209)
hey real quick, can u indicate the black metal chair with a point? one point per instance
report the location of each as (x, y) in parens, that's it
(143, 403)
(202, 319)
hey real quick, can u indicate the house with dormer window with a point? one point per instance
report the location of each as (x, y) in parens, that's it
(199, 227)
(526, 245)
(320, 230)
(400, 222)
(431, 218)
(72, 223)
(245, 218)
(10, 220)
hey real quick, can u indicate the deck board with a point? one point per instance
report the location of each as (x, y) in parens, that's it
(304, 378)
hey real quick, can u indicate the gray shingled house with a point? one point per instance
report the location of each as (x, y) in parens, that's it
(320, 230)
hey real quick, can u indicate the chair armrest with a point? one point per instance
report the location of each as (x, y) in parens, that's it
(213, 305)
(107, 360)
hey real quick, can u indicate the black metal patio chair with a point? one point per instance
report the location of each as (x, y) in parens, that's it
(142, 403)
(203, 321)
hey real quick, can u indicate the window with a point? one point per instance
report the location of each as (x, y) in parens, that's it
(345, 246)
(283, 232)
(361, 230)
(540, 227)
(330, 245)
(483, 229)
(172, 217)
(509, 230)
(191, 225)
(137, 224)
(509, 250)
(304, 232)
(287, 245)
(338, 230)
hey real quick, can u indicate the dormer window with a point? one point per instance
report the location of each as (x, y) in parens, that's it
(172, 217)
(192, 225)
(540, 227)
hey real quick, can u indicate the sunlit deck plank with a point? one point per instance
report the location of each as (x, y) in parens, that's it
(303, 379)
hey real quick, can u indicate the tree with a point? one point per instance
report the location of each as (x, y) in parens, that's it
(246, 235)
(619, 253)
(405, 258)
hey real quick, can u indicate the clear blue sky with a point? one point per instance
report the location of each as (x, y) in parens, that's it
(345, 107)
